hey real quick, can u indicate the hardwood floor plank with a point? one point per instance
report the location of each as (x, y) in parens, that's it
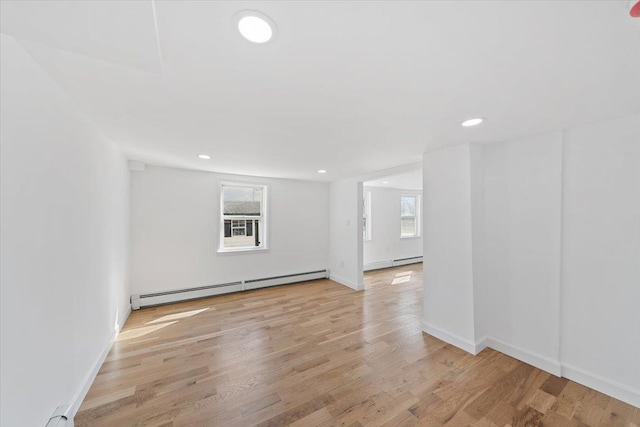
(554, 385)
(541, 401)
(320, 354)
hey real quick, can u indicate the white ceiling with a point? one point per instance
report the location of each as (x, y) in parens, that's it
(404, 181)
(351, 87)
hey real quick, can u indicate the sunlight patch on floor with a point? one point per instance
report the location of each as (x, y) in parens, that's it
(399, 280)
(404, 273)
(140, 332)
(403, 277)
(177, 316)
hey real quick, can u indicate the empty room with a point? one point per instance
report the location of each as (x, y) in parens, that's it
(319, 213)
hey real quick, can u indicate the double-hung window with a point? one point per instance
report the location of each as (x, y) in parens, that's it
(409, 223)
(366, 215)
(242, 217)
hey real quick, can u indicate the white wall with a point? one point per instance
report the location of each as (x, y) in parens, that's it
(481, 309)
(64, 242)
(601, 256)
(345, 247)
(175, 216)
(522, 226)
(385, 244)
(448, 270)
(545, 241)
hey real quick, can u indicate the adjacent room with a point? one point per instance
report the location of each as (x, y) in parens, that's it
(391, 220)
(319, 213)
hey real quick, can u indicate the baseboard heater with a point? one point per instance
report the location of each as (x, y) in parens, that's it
(168, 297)
(392, 263)
(407, 261)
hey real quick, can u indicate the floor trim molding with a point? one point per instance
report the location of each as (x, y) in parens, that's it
(539, 361)
(346, 282)
(78, 398)
(453, 339)
(596, 382)
(611, 388)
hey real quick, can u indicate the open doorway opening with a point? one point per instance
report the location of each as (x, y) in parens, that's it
(392, 228)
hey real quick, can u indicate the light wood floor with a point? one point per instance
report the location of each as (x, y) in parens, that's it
(320, 354)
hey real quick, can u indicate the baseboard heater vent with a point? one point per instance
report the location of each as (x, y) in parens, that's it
(406, 261)
(283, 280)
(160, 298)
(392, 263)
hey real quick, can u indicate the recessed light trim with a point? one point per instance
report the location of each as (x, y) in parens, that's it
(385, 182)
(204, 156)
(322, 171)
(472, 122)
(255, 26)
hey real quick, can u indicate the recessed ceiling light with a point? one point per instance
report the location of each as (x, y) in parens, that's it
(472, 122)
(255, 26)
(204, 156)
(385, 182)
(322, 171)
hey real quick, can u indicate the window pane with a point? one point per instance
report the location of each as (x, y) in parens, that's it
(242, 201)
(244, 208)
(407, 227)
(366, 215)
(364, 228)
(408, 205)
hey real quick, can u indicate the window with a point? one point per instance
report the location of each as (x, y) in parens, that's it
(242, 219)
(366, 215)
(409, 226)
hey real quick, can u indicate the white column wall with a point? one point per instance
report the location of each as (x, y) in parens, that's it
(522, 220)
(532, 247)
(447, 265)
(345, 233)
(601, 257)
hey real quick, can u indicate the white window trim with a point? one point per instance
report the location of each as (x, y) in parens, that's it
(416, 216)
(265, 217)
(367, 213)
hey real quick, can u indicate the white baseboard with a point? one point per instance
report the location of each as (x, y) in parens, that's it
(611, 388)
(91, 375)
(541, 362)
(346, 282)
(481, 344)
(453, 339)
(123, 318)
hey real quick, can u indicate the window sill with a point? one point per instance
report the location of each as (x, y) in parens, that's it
(409, 237)
(241, 251)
